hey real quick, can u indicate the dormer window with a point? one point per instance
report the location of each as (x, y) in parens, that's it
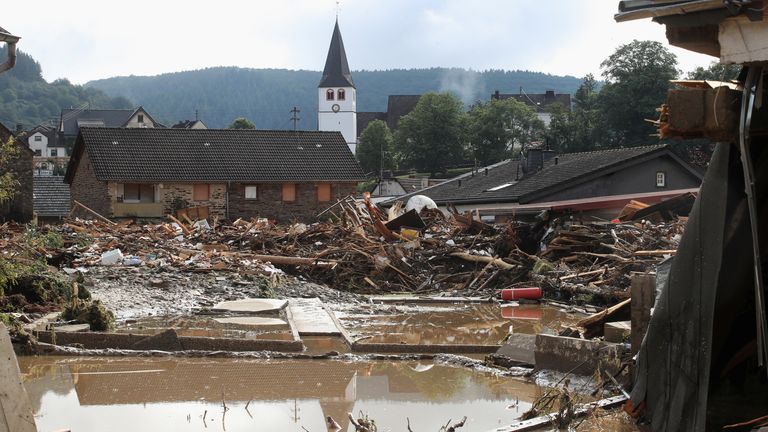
(341, 94)
(329, 94)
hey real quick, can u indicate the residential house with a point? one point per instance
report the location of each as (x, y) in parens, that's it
(541, 103)
(390, 187)
(49, 156)
(18, 208)
(397, 106)
(237, 173)
(190, 124)
(597, 182)
(51, 199)
(73, 118)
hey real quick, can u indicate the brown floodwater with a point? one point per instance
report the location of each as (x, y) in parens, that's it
(206, 326)
(179, 394)
(477, 323)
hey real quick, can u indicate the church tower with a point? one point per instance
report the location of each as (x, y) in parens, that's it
(337, 101)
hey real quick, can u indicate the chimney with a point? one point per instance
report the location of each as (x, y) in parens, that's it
(549, 96)
(548, 155)
(496, 95)
(19, 128)
(534, 161)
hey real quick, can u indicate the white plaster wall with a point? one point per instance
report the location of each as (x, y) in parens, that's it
(38, 145)
(345, 120)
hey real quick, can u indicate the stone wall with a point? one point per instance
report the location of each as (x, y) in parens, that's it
(217, 202)
(269, 203)
(89, 190)
(19, 208)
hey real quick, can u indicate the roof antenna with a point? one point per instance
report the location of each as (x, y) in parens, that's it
(338, 8)
(197, 115)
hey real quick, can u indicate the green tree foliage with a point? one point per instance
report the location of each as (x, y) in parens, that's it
(26, 98)
(242, 123)
(581, 129)
(637, 79)
(430, 138)
(8, 182)
(374, 149)
(495, 126)
(267, 95)
(715, 71)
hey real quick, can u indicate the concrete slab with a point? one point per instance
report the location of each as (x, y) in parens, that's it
(311, 318)
(252, 305)
(252, 321)
(15, 410)
(69, 328)
(519, 347)
(579, 356)
(617, 331)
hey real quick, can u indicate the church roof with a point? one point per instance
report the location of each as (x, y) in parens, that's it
(336, 72)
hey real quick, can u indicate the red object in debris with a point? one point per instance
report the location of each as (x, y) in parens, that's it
(534, 312)
(532, 293)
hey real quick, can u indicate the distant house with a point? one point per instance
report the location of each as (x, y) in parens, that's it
(190, 124)
(282, 175)
(539, 102)
(52, 201)
(598, 182)
(397, 106)
(19, 208)
(50, 157)
(73, 118)
(394, 187)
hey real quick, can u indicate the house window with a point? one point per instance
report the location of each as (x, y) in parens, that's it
(329, 94)
(54, 152)
(323, 192)
(38, 138)
(251, 192)
(289, 192)
(141, 118)
(661, 179)
(201, 192)
(342, 95)
(138, 193)
(38, 152)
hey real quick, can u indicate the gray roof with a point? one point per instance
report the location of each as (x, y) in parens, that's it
(570, 169)
(336, 72)
(50, 196)
(242, 155)
(397, 107)
(537, 101)
(72, 118)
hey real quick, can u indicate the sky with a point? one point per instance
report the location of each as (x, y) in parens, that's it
(84, 40)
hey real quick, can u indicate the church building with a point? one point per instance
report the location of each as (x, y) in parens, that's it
(337, 99)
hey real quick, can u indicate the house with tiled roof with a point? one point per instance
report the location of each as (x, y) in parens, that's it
(599, 182)
(73, 118)
(397, 107)
(236, 173)
(540, 103)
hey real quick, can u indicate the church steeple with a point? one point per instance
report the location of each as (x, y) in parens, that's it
(336, 72)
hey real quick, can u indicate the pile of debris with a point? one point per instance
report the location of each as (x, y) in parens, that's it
(361, 250)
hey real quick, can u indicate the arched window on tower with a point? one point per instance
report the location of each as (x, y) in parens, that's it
(329, 94)
(341, 94)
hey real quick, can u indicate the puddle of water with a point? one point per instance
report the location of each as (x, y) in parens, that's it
(478, 324)
(97, 394)
(204, 326)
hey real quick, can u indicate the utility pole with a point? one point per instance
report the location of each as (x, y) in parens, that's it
(295, 119)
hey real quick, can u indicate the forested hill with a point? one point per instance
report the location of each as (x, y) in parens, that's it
(265, 96)
(27, 99)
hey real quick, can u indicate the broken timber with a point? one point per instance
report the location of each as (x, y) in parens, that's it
(549, 419)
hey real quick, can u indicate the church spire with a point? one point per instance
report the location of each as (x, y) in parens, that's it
(336, 72)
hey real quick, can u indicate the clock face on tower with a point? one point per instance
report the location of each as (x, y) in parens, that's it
(335, 107)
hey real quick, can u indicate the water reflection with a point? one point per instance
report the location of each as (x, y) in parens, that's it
(186, 394)
(480, 324)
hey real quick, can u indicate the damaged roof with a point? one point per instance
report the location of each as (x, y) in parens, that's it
(505, 181)
(168, 154)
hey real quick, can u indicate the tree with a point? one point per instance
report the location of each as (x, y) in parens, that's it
(430, 138)
(716, 72)
(8, 182)
(242, 123)
(637, 75)
(583, 128)
(375, 144)
(494, 127)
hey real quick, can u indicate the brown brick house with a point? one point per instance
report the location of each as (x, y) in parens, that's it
(282, 175)
(18, 208)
